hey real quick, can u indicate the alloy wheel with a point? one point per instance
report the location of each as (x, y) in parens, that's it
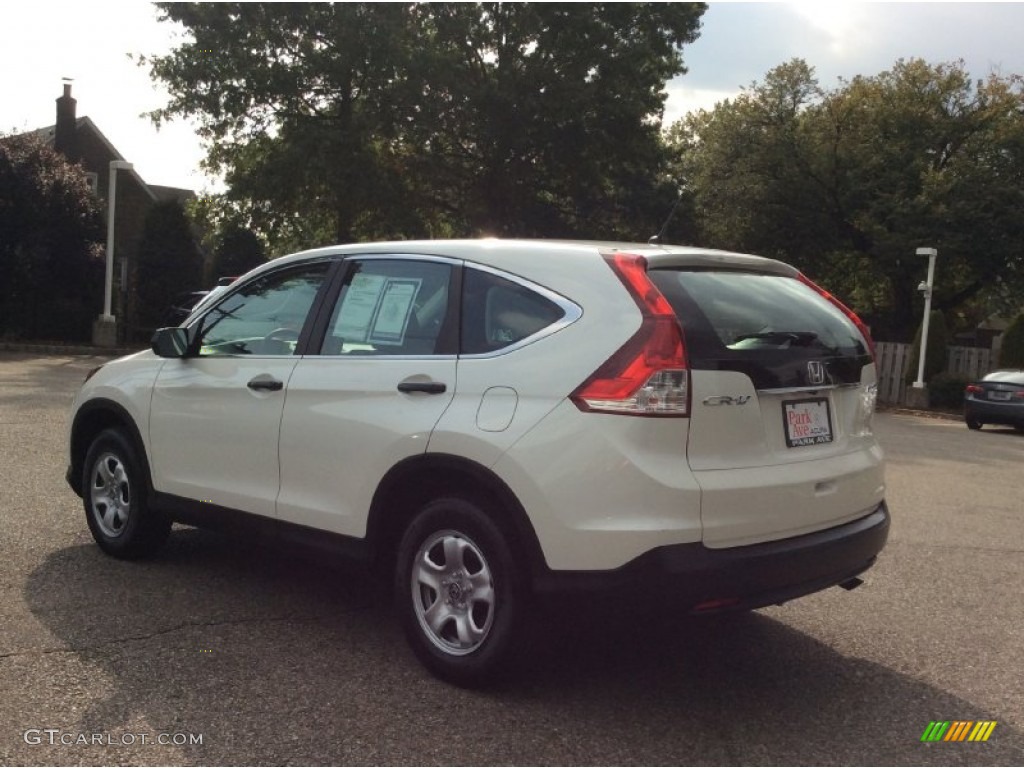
(453, 592)
(110, 494)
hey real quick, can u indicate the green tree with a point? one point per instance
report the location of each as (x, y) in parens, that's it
(169, 263)
(356, 120)
(848, 182)
(51, 271)
(543, 119)
(237, 251)
(1011, 354)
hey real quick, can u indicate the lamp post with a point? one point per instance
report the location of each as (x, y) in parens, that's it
(926, 288)
(108, 285)
(105, 329)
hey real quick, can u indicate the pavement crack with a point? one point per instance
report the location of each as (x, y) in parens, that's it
(171, 630)
(959, 547)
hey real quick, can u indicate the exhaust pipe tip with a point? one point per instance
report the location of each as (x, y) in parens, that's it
(852, 583)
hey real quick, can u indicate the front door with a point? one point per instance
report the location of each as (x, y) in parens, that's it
(215, 418)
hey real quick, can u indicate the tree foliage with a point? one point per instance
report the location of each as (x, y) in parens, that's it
(227, 236)
(51, 272)
(848, 182)
(337, 121)
(1011, 354)
(237, 251)
(169, 263)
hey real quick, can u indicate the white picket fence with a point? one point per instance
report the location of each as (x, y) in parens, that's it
(894, 358)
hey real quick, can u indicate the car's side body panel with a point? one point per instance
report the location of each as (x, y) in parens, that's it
(602, 489)
(503, 394)
(126, 382)
(214, 439)
(345, 424)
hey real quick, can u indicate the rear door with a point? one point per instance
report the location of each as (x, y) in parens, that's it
(782, 395)
(381, 374)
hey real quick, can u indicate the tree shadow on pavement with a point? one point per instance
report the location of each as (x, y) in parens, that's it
(276, 661)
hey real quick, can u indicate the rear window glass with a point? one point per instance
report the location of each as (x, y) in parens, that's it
(766, 326)
(497, 313)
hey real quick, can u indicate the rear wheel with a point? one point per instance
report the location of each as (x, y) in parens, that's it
(459, 592)
(115, 499)
(972, 423)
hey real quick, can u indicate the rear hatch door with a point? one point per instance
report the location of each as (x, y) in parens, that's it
(782, 395)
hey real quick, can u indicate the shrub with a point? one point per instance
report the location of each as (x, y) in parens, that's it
(1012, 353)
(946, 390)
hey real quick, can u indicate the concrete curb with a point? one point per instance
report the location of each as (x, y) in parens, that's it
(901, 411)
(56, 348)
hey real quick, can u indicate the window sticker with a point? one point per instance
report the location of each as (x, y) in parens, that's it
(394, 310)
(376, 310)
(360, 302)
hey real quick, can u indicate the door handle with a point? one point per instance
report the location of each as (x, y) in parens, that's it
(429, 387)
(268, 385)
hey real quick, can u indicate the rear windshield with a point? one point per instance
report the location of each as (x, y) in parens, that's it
(768, 326)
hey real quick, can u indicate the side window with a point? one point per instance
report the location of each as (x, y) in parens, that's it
(265, 317)
(497, 313)
(390, 307)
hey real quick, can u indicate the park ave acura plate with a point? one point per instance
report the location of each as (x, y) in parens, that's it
(808, 421)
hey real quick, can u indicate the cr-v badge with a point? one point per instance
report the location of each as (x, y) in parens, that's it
(726, 400)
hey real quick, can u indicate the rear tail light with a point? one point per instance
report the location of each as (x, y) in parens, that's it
(844, 309)
(1019, 395)
(647, 376)
(974, 389)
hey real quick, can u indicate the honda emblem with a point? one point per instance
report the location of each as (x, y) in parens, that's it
(815, 372)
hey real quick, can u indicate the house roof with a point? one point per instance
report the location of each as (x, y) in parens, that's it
(48, 134)
(163, 194)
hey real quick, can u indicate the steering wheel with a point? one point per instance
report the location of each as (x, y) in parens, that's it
(280, 335)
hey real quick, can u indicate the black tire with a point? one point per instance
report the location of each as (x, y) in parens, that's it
(972, 423)
(115, 495)
(478, 595)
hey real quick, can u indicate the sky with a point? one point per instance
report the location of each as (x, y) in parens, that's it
(42, 42)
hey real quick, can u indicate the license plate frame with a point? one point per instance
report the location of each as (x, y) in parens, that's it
(999, 395)
(807, 422)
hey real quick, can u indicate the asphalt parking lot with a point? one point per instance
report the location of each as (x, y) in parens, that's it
(233, 654)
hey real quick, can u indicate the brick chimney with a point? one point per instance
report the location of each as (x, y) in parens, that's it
(65, 138)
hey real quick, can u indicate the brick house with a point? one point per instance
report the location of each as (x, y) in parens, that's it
(81, 141)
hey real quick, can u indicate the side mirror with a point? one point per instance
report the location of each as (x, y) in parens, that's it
(170, 342)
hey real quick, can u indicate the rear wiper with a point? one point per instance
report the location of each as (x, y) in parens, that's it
(797, 337)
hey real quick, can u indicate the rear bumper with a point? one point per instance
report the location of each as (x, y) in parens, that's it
(695, 577)
(994, 412)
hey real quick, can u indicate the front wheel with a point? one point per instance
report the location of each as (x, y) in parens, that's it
(115, 499)
(459, 593)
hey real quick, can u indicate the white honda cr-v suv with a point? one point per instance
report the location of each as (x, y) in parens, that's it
(496, 420)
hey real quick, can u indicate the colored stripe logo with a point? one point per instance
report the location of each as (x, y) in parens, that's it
(958, 730)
